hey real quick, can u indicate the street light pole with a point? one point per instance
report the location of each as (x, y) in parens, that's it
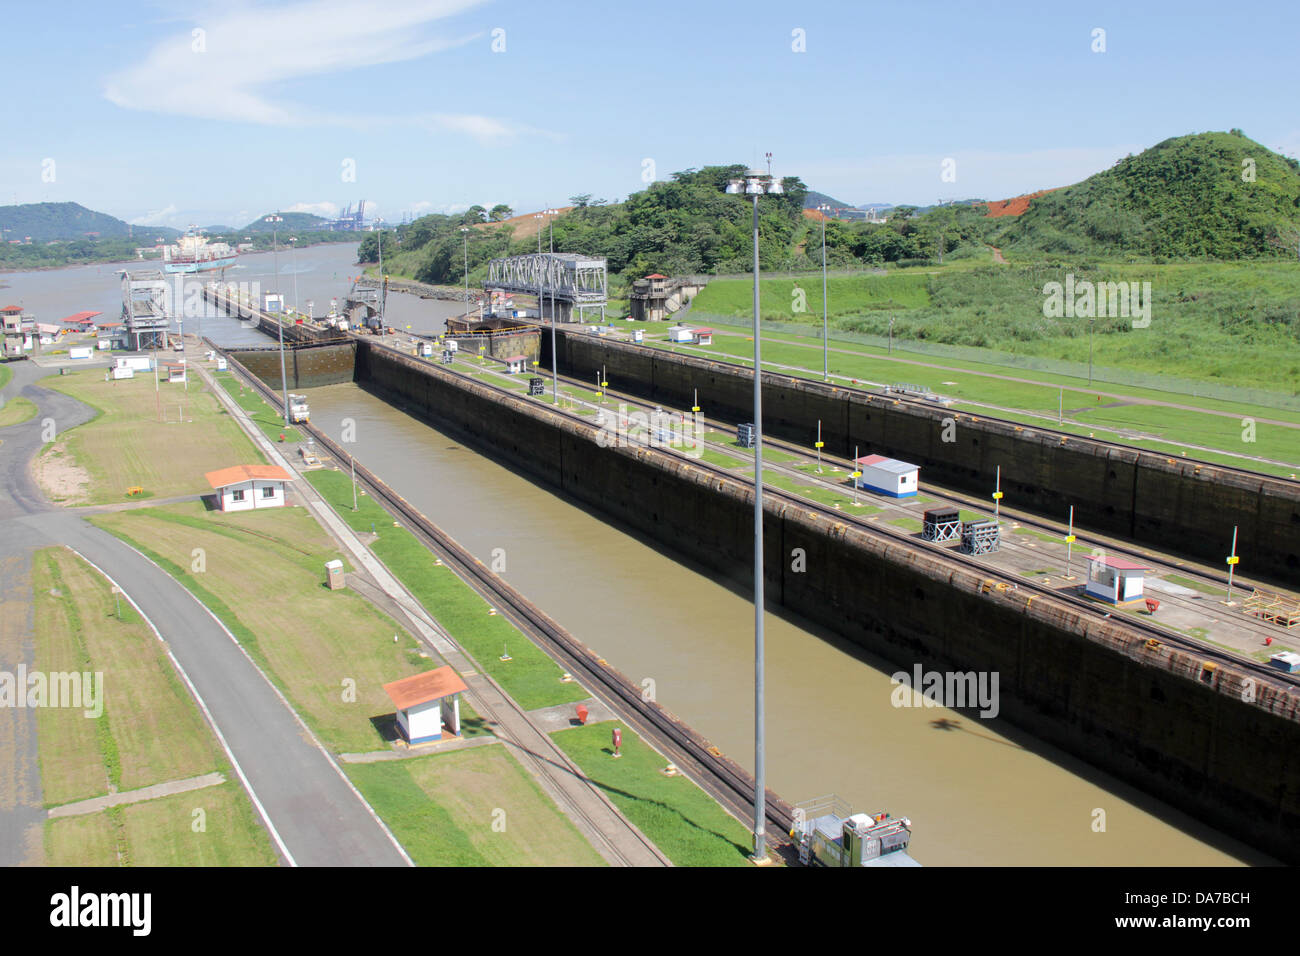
(382, 287)
(293, 264)
(826, 354)
(555, 359)
(464, 234)
(279, 319)
(756, 184)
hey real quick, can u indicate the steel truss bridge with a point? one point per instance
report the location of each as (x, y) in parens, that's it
(566, 279)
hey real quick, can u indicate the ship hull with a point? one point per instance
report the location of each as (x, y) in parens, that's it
(206, 265)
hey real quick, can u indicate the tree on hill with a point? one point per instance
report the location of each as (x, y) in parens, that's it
(1215, 195)
(500, 212)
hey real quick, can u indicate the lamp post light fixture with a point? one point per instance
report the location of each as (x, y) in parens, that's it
(555, 359)
(379, 224)
(279, 319)
(464, 234)
(293, 264)
(824, 209)
(755, 184)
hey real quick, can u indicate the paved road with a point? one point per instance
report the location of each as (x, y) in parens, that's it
(313, 814)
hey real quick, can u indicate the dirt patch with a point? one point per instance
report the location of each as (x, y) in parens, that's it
(59, 476)
(1013, 207)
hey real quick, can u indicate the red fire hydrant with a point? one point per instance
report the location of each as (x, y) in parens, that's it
(582, 714)
(618, 741)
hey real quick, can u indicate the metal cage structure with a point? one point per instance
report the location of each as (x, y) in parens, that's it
(146, 309)
(564, 278)
(980, 537)
(941, 524)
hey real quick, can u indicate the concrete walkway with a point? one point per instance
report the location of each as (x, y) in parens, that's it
(612, 835)
(95, 804)
(313, 813)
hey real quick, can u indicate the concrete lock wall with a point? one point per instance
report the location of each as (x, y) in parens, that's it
(1184, 507)
(1152, 716)
(305, 366)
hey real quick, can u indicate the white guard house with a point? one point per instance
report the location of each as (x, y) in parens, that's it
(516, 364)
(703, 337)
(245, 487)
(888, 476)
(1114, 580)
(680, 333)
(426, 703)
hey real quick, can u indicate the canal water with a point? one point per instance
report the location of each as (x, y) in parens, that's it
(977, 792)
(311, 275)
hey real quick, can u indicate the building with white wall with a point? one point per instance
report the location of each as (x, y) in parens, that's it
(1114, 580)
(427, 704)
(245, 487)
(888, 476)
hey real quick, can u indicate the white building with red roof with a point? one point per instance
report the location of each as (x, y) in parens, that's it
(1114, 580)
(245, 487)
(887, 476)
(427, 704)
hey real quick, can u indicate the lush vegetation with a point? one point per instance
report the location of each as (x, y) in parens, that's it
(46, 221)
(1210, 195)
(1236, 323)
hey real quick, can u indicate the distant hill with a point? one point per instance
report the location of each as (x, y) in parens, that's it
(814, 199)
(1217, 195)
(300, 221)
(47, 221)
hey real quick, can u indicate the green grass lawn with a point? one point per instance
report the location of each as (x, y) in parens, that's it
(331, 652)
(676, 815)
(16, 411)
(475, 807)
(163, 832)
(137, 440)
(150, 732)
(6, 374)
(263, 414)
(531, 678)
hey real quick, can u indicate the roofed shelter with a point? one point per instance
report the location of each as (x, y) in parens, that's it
(426, 703)
(245, 487)
(1114, 580)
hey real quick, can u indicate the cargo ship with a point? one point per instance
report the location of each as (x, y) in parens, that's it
(193, 253)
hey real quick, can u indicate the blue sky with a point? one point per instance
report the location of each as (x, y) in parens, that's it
(265, 108)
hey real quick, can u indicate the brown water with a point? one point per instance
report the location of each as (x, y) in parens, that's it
(976, 791)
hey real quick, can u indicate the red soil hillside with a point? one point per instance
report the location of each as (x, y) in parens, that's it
(1014, 207)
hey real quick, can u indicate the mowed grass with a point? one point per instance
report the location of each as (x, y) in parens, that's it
(149, 732)
(16, 411)
(1035, 401)
(126, 445)
(531, 678)
(263, 574)
(210, 827)
(264, 415)
(475, 807)
(677, 816)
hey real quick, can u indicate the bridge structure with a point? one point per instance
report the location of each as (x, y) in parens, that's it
(562, 282)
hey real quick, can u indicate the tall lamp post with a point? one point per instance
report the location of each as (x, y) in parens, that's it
(279, 319)
(293, 264)
(755, 184)
(824, 209)
(464, 233)
(555, 359)
(379, 223)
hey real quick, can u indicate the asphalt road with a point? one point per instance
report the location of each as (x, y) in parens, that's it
(314, 816)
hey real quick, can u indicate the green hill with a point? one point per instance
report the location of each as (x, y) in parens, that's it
(48, 221)
(1208, 195)
(301, 221)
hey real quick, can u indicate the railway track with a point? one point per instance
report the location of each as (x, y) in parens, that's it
(716, 774)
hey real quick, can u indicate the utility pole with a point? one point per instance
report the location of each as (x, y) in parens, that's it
(824, 209)
(279, 318)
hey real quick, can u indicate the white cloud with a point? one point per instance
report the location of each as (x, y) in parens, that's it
(426, 208)
(160, 217)
(915, 178)
(328, 210)
(230, 69)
